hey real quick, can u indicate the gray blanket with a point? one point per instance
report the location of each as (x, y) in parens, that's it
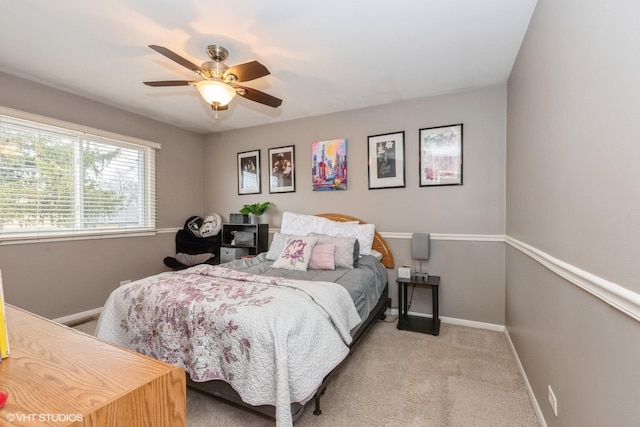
(365, 283)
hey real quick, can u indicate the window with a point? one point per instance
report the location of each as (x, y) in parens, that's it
(60, 180)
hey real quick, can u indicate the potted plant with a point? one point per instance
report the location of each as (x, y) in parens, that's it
(255, 210)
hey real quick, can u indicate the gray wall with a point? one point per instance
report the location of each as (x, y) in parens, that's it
(56, 279)
(572, 193)
(472, 272)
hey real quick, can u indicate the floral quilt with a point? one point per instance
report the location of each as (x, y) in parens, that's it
(272, 339)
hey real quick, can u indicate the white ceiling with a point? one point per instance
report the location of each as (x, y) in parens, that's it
(324, 55)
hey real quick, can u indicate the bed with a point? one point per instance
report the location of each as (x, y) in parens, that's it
(262, 332)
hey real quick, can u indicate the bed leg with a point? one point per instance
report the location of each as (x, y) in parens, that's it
(317, 411)
(383, 315)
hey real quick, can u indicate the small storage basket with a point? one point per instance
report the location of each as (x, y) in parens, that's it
(244, 238)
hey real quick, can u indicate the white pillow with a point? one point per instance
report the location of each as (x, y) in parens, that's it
(303, 225)
(296, 254)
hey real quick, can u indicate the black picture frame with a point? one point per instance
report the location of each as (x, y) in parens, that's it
(386, 161)
(282, 169)
(249, 172)
(440, 155)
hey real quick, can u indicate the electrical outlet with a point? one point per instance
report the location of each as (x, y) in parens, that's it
(553, 401)
(124, 282)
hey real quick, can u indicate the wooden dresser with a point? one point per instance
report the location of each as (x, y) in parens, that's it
(58, 376)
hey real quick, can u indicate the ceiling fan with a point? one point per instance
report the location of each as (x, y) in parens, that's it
(220, 82)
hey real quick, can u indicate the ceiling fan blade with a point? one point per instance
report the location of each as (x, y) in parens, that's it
(257, 96)
(176, 58)
(169, 83)
(248, 71)
(219, 107)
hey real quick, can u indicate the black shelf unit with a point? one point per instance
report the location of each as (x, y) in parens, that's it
(260, 239)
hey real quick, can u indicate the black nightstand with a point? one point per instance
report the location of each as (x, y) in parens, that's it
(414, 323)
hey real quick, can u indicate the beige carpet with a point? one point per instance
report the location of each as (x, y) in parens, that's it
(463, 377)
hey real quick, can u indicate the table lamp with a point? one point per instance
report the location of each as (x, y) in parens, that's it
(420, 243)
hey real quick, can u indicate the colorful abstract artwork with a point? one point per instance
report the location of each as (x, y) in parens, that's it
(329, 165)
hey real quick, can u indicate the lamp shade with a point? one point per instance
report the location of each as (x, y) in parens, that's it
(214, 91)
(420, 243)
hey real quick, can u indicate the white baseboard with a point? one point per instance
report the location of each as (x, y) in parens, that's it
(472, 323)
(532, 397)
(78, 317)
(455, 321)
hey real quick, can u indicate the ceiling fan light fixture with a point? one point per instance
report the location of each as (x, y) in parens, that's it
(219, 82)
(217, 92)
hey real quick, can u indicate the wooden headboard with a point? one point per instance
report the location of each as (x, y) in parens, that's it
(379, 244)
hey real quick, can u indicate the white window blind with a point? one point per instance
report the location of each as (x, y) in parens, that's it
(62, 182)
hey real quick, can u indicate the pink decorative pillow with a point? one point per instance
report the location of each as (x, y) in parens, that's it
(322, 257)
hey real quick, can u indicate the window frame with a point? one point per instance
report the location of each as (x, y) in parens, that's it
(149, 208)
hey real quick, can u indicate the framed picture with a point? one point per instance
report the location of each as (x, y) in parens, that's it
(441, 155)
(282, 169)
(386, 161)
(329, 165)
(249, 172)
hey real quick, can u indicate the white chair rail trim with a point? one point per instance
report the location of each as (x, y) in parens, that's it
(613, 294)
(449, 237)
